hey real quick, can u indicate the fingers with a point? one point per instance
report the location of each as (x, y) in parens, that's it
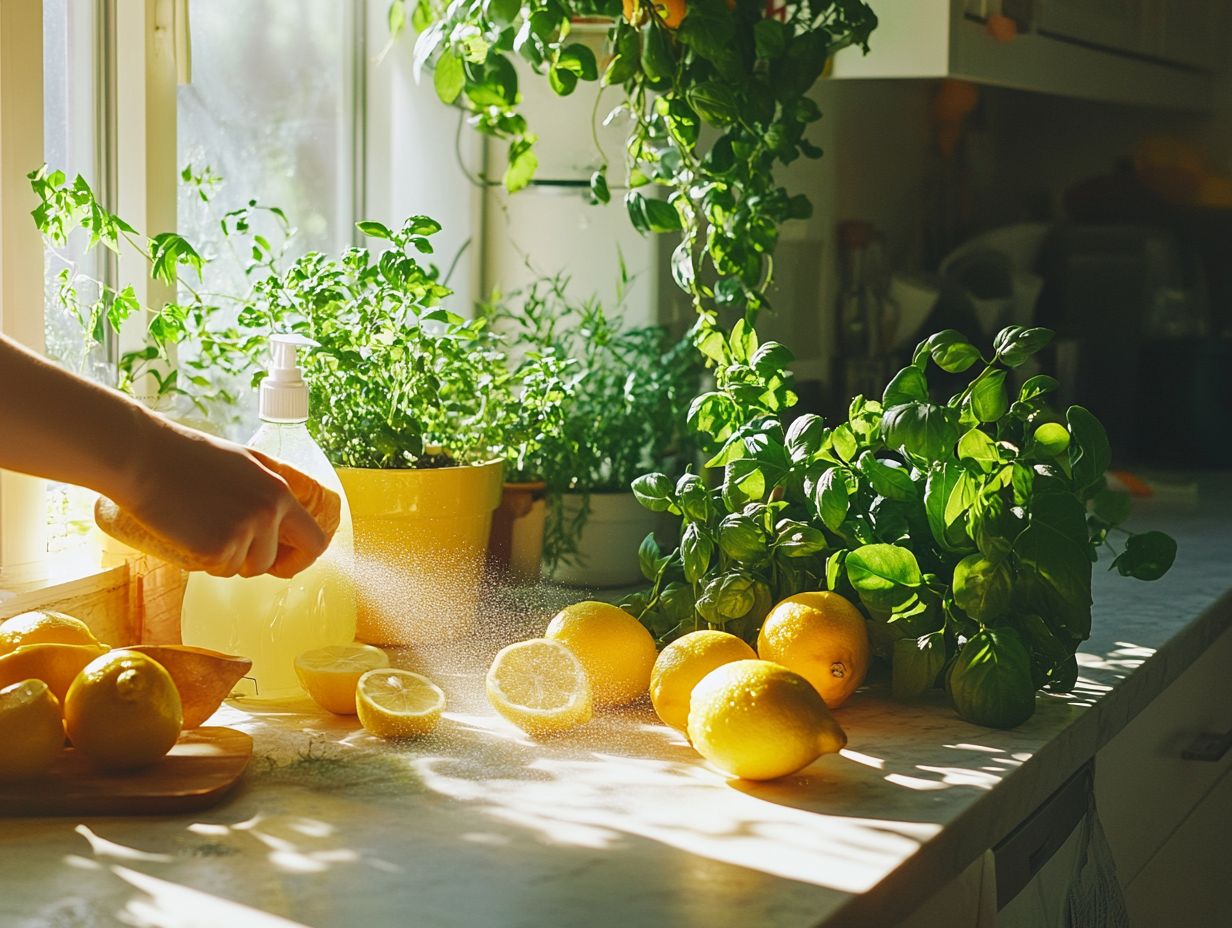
(300, 542)
(232, 560)
(261, 553)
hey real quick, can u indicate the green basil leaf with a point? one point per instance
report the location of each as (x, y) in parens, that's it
(924, 430)
(830, 498)
(1037, 386)
(579, 60)
(448, 77)
(990, 681)
(648, 555)
(1147, 556)
(798, 539)
(988, 400)
(741, 538)
(952, 352)
(908, 385)
(982, 588)
(979, 449)
(881, 567)
(1052, 438)
(804, 436)
(915, 665)
(834, 569)
(1054, 562)
(696, 549)
(1089, 452)
(889, 481)
(744, 481)
(1015, 345)
(654, 491)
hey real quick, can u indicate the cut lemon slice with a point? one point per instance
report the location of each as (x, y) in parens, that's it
(539, 686)
(330, 675)
(398, 704)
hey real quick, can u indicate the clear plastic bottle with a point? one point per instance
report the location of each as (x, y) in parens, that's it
(265, 618)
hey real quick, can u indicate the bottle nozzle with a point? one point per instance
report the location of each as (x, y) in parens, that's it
(284, 395)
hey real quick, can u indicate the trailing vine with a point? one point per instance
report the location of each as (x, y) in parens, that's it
(716, 94)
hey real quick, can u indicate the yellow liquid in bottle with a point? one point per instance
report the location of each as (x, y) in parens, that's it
(270, 620)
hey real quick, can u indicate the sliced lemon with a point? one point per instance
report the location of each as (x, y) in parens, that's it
(398, 704)
(331, 675)
(540, 686)
(30, 730)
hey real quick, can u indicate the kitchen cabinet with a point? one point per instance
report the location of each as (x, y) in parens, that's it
(1150, 52)
(1166, 814)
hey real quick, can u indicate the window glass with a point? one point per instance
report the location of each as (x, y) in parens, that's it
(70, 144)
(269, 115)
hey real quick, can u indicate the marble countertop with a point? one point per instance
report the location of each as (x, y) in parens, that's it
(620, 822)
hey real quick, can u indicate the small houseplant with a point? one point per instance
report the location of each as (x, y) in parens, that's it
(625, 411)
(416, 407)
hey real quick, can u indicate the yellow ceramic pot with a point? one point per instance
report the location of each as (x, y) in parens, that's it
(515, 548)
(420, 541)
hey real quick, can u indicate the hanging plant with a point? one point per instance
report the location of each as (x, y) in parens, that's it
(715, 91)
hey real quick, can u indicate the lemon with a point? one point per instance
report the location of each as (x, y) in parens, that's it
(614, 648)
(30, 730)
(822, 637)
(57, 665)
(123, 711)
(331, 675)
(540, 686)
(397, 703)
(758, 720)
(683, 663)
(43, 628)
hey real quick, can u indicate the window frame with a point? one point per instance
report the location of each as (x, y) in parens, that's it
(135, 81)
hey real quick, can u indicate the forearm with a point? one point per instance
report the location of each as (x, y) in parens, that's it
(62, 427)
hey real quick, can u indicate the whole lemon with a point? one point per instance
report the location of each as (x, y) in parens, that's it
(822, 637)
(758, 720)
(55, 664)
(43, 628)
(30, 730)
(614, 648)
(123, 711)
(681, 666)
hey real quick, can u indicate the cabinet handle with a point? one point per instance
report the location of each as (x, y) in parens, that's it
(1209, 747)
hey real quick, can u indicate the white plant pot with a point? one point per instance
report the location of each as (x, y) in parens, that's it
(607, 546)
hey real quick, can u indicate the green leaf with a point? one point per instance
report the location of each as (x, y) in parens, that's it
(1147, 556)
(983, 589)
(1015, 345)
(1037, 386)
(877, 568)
(713, 102)
(598, 187)
(916, 663)
(696, 548)
(522, 166)
(648, 558)
(1052, 438)
(979, 449)
(374, 229)
(924, 430)
(654, 491)
(834, 569)
(891, 482)
(951, 351)
(448, 77)
(563, 82)
(990, 681)
(770, 38)
(1089, 452)
(726, 597)
(1054, 563)
(741, 538)
(744, 481)
(907, 386)
(798, 539)
(830, 498)
(658, 60)
(988, 399)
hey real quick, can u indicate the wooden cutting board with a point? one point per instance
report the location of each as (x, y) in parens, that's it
(198, 772)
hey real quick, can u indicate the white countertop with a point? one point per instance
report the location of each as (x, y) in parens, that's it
(620, 822)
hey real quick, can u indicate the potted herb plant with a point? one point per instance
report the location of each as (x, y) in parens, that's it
(415, 406)
(966, 529)
(630, 388)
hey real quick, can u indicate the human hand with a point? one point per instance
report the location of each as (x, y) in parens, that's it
(217, 506)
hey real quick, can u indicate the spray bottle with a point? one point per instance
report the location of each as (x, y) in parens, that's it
(268, 619)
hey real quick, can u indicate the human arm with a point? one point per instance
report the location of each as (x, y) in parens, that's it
(214, 499)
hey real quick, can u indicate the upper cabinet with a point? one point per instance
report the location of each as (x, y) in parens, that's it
(1152, 52)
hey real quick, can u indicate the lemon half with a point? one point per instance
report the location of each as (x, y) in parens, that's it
(331, 675)
(398, 704)
(540, 686)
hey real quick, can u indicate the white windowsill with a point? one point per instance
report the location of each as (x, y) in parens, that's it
(30, 586)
